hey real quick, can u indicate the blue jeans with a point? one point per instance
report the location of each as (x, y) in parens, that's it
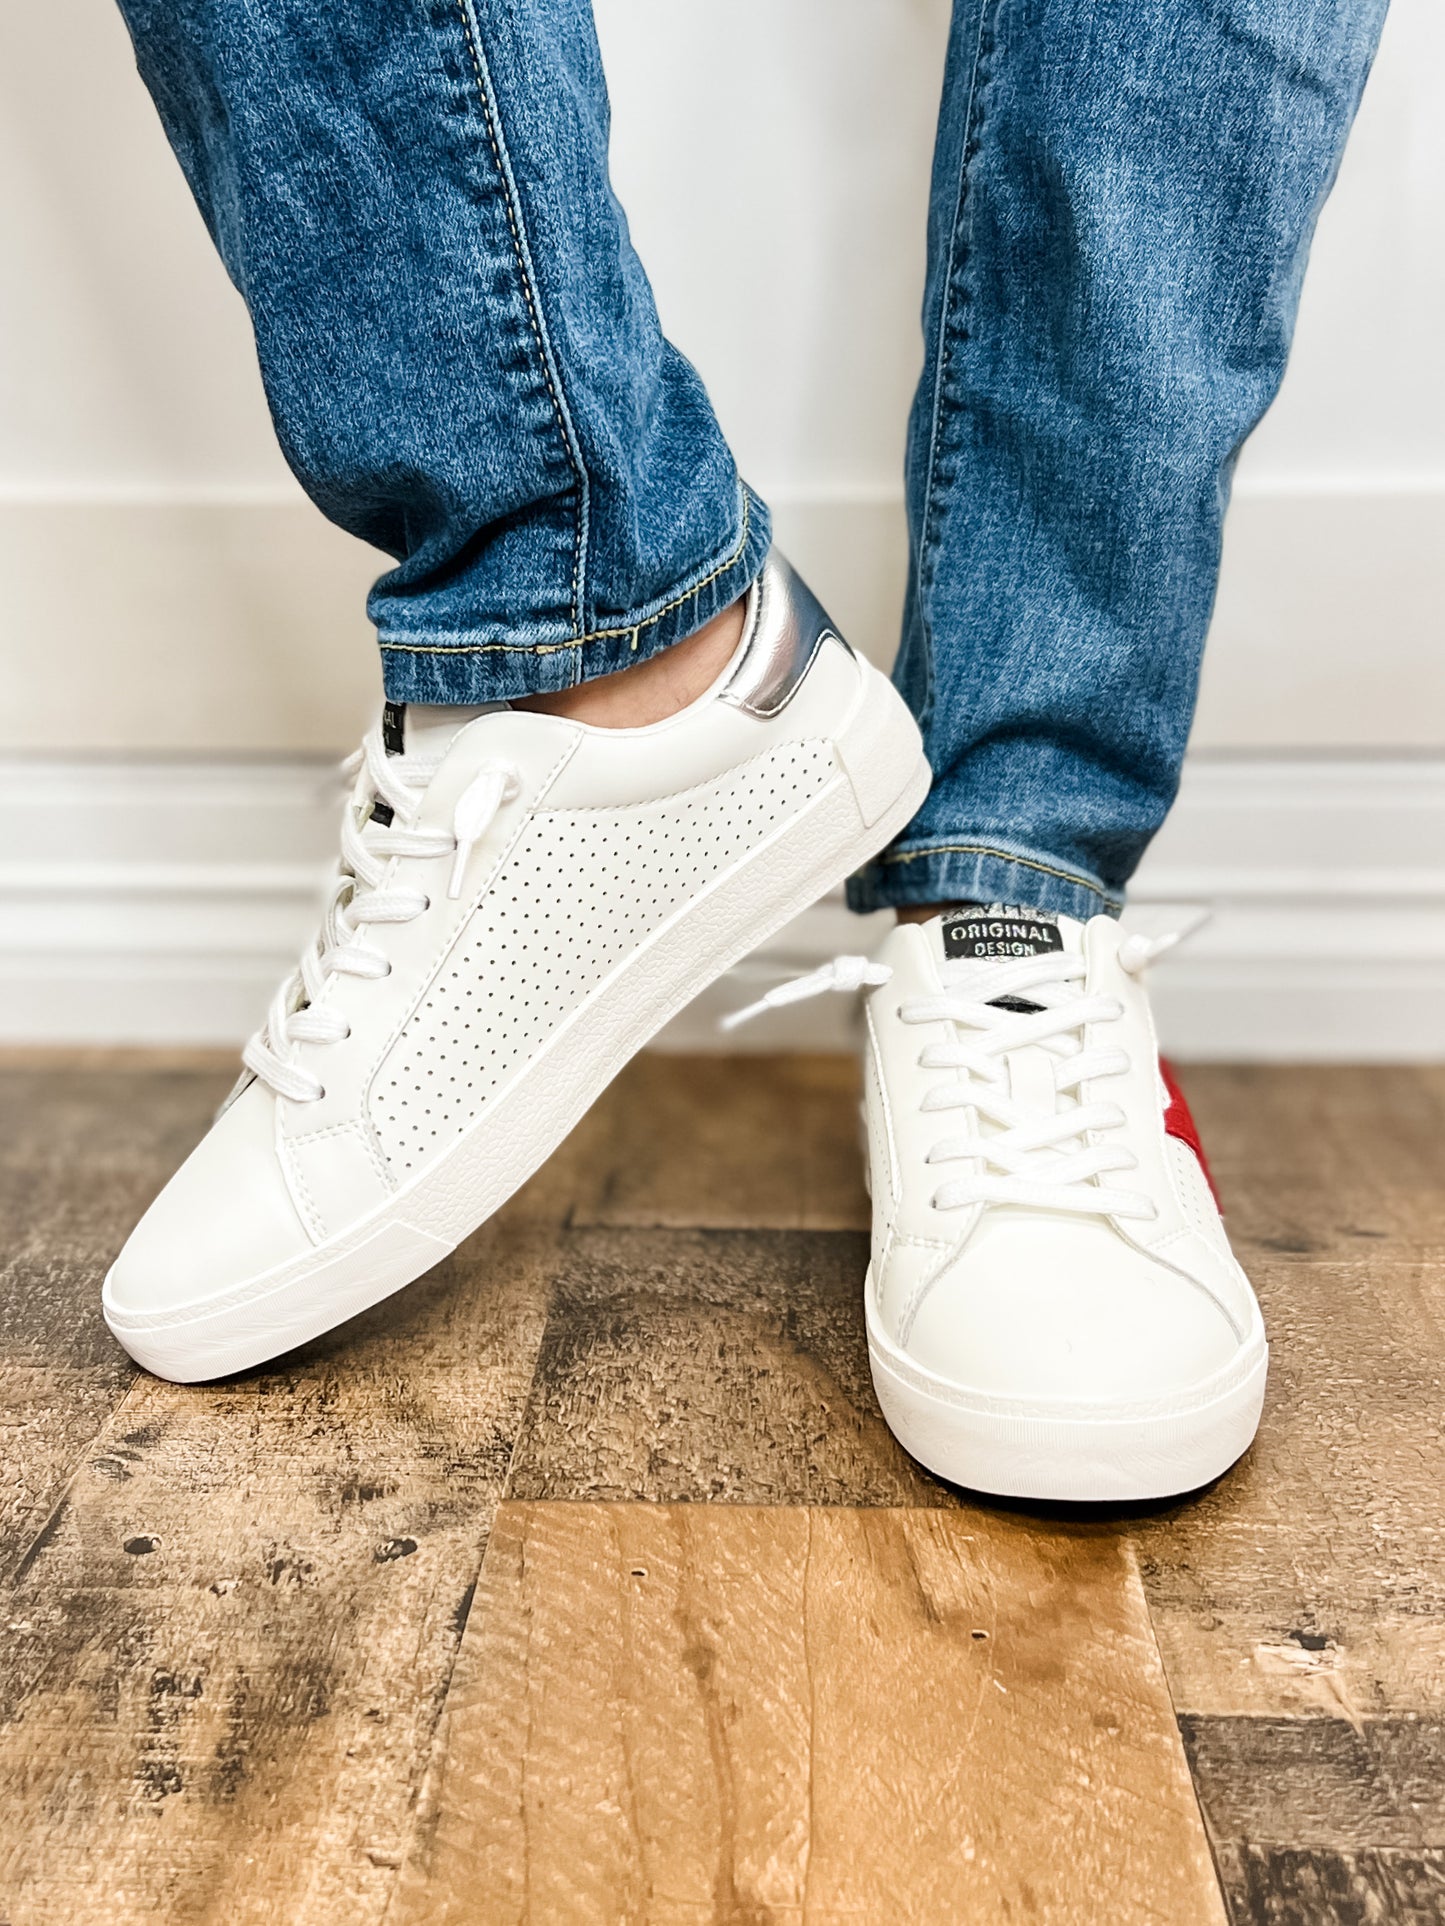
(466, 369)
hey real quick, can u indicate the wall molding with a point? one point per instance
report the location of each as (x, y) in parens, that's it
(159, 901)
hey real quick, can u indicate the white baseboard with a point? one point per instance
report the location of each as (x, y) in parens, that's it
(160, 902)
(235, 623)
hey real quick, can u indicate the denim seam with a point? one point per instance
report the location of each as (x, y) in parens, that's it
(1094, 887)
(596, 635)
(522, 256)
(968, 151)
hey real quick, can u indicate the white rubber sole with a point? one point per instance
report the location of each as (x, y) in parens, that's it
(882, 779)
(1014, 1448)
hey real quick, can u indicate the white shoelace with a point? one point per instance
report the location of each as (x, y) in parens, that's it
(368, 889)
(1029, 1153)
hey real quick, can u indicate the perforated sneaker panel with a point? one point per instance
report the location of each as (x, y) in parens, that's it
(1196, 1199)
(582, 889)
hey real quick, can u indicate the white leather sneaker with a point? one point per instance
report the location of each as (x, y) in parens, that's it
(1053, 1308)
(522, 902)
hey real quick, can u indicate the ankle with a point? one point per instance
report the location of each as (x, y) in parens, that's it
(925, 912)
(652, 690)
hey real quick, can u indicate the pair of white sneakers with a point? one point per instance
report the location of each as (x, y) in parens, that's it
(523, 901)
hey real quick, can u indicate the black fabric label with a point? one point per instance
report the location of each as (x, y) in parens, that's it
(393, 728)
(980, 935)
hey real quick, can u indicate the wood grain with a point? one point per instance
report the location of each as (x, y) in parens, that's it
(1312, 1577)
(740, 1143)
(84, 1146)
(1315, 1819)
(229, 1642)
(732, 1366)
(688, 1713)
(235, 1611)
(1330, 1162)
(1322, 1782)
(1300, 1602)
(1293, 1886)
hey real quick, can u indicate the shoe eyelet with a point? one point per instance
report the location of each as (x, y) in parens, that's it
(425, 904)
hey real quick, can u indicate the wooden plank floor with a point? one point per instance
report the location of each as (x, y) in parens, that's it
(583, 1582)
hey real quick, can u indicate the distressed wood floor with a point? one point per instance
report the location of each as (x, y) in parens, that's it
(583, 1583)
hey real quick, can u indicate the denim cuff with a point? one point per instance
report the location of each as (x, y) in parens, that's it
(419, 669)
(962, 871)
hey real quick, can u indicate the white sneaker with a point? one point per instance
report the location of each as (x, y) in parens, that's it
(523, 901)
(1053, 1308)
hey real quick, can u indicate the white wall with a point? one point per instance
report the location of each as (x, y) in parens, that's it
(169, 593)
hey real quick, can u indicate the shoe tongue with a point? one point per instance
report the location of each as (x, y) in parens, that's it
(993, 932)
(982, 935)
(424, 728)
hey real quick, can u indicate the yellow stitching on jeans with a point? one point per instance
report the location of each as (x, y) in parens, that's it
(522, 276)
(1000, 855)
(633, 629)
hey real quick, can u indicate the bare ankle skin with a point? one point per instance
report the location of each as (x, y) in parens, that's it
(921, 912)
(654, 689)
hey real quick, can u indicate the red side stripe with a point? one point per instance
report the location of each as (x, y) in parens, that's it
(1179, 1122)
